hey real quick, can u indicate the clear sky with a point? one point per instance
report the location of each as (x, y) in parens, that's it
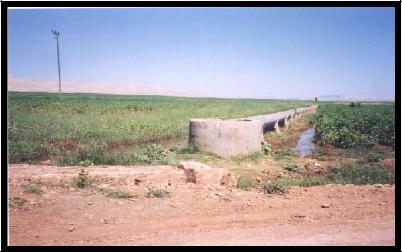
(221, 52)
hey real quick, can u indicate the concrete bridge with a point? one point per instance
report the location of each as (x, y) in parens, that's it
(241, 136)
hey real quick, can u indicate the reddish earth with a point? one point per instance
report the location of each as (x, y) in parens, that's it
(194, 214)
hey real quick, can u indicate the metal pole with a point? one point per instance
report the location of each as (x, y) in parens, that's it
(56, 35)
(58, 62)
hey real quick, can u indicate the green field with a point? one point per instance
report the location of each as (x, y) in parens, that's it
(356, 126)
(111, 129)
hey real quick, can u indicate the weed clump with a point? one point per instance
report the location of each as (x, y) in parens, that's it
(17, 202)
(274, 188)
(189, 149)
(362, 175)
(245, 183)
(119, 195)
(32, 189)
(82, 181)
(291, 167)
(157, 193)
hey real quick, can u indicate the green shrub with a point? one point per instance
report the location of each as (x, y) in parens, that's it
(31, 189)
(274, 188)
(189, 149)
(245, 183)
(373, 157)
(361, 175)
(266, 148)
(86, 163)
(291, 167)
(118, 195)
(355, 127)
(82, 181)
(157, 193)
(303, 182)
(17, 202)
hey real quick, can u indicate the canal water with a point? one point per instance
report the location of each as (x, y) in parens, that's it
(305, 145)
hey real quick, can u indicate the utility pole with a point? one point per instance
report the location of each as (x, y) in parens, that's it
(56, 35)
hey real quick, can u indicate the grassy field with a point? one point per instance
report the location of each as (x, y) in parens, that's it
(109, 129)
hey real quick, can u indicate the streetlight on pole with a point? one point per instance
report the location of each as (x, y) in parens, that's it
(56, 35)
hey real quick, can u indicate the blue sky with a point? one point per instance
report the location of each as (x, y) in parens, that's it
(220, 52)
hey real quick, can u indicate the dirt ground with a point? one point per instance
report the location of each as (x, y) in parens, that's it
(193, 214)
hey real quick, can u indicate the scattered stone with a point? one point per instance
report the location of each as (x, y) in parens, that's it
(104, 221)
(378, 186)
(249, 204)
(227, 180)
(324, 205)
(258, 179)
(137, 181)
(71, 229)
(90, 202)
(317, 165)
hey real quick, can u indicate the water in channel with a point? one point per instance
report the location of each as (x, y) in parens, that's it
(305, 145)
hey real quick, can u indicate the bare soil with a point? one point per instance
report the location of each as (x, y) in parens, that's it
(192, 214)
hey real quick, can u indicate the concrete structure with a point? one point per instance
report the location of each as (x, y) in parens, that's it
(237, 136)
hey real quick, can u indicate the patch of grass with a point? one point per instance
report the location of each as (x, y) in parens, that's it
(157, 193)
(266, 148)
(282, 154)
(17, 202)
(253, 157)
(189, 149)
(245, 183)
(357, 174)
(31, 189)
(303, 182)
(373, 157)
(118, 194)
(291, 166)
(273, 188)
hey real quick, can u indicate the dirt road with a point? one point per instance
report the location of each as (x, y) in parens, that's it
(192, 214)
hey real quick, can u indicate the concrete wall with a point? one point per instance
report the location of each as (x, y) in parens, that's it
(236, 136)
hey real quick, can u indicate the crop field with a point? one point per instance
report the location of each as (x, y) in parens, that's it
(352, 126)
(107, 129)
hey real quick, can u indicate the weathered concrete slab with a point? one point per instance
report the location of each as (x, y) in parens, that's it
(236, 136)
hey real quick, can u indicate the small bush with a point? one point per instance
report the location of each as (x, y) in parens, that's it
(283, 154)
(266, 148)
(274, 188)
(32, 189)
(82, 181)
(86, 163)
(189, 149)
(155, 152)
(119, 195)
(253, 157)
(361, 175)
(373, 157)
(17, 201)
(245, 183)
(291, 167)
(157, 193)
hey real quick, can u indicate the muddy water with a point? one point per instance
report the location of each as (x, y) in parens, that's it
(305, 145)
